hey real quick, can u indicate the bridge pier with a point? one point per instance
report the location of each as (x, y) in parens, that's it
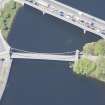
(44, 12)
(84, 31)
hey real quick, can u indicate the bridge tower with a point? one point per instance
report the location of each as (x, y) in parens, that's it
(76, 56)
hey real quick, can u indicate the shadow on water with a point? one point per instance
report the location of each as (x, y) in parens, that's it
(35, 82)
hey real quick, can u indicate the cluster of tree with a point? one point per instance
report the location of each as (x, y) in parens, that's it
(84, 67)
(95, 48)
(87, 67)
(7, 16)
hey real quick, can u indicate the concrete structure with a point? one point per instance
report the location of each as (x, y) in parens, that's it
(5, 64)
(71, 15)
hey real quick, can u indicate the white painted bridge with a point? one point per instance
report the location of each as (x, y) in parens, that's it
(7, 54)
(46, 56)
(71, 15)
(43, 56)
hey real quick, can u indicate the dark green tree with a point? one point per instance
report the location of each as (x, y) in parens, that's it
(84, 67)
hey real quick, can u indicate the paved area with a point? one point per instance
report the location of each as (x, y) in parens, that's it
(2, 47)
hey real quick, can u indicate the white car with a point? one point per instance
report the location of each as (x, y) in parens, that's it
(67, 17)
(51, 8)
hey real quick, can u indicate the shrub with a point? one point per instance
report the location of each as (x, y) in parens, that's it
(84, 67)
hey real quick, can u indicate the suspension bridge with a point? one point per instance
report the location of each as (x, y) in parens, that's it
(66, 56)
(71, 15)
(7, 54)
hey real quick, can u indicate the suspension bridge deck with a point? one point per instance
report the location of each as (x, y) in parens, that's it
(57, 56)
(43, 56)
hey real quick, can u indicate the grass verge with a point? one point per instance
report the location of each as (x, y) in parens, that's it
(7, 15)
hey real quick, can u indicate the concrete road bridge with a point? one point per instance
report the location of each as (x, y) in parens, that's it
(71, 15)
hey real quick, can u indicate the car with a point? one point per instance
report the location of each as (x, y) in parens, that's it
(97, 30)
(36, 3)
(77, 18)
(103, 33)
(67, 17)
(51, 8)
(82, 21)
(61, 13)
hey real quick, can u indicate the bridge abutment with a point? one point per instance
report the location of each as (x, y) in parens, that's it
(20, 1)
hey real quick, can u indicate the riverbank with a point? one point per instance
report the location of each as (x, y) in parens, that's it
(8, 10)
(7, 15)
(91, 67)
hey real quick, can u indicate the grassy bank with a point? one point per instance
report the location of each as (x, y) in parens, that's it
(7, 16)
(94, 68)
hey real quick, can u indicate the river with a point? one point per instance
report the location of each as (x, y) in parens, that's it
(36, 82)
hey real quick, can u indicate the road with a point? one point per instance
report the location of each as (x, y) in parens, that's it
(2, 3)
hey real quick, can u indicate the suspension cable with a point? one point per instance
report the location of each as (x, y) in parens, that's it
(62, 53)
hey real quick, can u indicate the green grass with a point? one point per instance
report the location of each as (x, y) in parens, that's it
(7, 16)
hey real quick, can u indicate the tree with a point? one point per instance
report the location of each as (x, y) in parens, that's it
(89, 48)
(101, 64)
(14, 5)
(95, 48)
(84, 67)
(96, 68)
(100, 47)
